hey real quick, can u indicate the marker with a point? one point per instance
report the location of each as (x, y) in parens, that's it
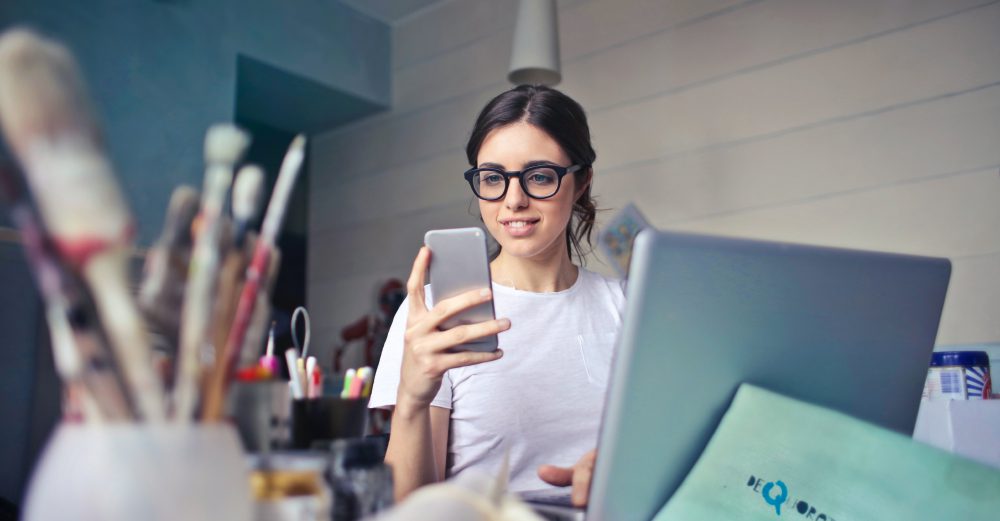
(317, 381)
(295, 382)
(367, 376)
(310, 368)
(300, 365)
(356, 385)
(348, 378)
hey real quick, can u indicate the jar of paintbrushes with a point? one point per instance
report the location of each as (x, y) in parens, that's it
(149, 376)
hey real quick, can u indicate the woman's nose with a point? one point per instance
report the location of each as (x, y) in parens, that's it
(515, 198)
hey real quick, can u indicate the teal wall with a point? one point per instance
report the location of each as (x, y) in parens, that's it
(163, 71)
(160, 73)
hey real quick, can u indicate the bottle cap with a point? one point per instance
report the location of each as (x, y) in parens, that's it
(960, 358)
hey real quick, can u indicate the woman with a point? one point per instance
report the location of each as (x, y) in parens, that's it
(538, 397)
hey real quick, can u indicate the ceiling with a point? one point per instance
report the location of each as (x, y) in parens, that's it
(390, 11)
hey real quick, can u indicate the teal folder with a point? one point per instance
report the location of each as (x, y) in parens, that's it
(775, 458)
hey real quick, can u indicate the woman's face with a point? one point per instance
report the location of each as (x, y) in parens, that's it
(523, 226)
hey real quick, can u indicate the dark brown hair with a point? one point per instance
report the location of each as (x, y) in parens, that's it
(563, 119)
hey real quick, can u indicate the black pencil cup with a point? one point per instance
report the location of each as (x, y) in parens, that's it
(327, 418)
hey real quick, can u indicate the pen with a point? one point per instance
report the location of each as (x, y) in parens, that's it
(268, 361)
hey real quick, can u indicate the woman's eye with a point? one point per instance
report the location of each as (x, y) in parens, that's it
(541, 178)
(492, 179)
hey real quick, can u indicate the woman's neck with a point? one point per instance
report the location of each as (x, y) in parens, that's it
(545, 273)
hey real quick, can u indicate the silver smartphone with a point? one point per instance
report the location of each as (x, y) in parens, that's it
(458, 265)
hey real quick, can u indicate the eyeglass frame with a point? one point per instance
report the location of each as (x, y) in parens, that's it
(561, 171)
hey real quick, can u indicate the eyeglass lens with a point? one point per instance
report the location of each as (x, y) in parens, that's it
(539, 182)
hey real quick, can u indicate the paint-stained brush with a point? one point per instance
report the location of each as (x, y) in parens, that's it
(224, 145)
(81, 356)
(247, 189)
(246, 200)
(48, 121)
(161, 294)
(290, 167)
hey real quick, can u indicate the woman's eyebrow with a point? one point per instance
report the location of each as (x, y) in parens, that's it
(529, 164)
(539, 162)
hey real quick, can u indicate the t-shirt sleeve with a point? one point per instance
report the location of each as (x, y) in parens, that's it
(387, 375)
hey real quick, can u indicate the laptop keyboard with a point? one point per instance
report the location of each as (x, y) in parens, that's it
(556, 497)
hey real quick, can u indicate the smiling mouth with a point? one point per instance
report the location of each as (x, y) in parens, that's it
(518, 224)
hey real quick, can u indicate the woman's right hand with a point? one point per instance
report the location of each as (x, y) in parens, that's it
(426, 354)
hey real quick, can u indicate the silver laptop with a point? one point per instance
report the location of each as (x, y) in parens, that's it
(849, 330)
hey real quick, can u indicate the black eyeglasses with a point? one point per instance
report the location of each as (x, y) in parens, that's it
(539, 182)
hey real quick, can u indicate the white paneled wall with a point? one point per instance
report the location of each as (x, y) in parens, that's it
(861, 123)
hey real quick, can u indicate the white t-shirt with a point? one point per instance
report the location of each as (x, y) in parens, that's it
(542, 400)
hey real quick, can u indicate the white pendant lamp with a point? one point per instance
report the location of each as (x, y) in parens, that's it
(534, 58)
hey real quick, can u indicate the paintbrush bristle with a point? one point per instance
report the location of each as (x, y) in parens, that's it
(41, 91)
(246, 192)
(225, 144)
(181, 212)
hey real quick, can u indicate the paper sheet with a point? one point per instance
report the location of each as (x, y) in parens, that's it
(773, 457)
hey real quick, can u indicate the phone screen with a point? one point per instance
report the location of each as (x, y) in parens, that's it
(459, 264)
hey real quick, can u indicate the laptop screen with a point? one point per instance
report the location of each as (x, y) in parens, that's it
(849, 330)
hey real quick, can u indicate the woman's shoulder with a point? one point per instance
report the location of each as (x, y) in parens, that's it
(602, 282)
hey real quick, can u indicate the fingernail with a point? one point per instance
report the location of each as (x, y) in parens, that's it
(499, 353)
(484, 292)
(504, 322)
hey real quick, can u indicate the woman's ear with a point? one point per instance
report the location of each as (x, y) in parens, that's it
(585, 184)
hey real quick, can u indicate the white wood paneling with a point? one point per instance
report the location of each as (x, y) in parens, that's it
(397, 192)
(598, 26)
(335, 304)
(931, 60)
(863, 152)
(865, 124)
(730, 37)
(469, 68)
(911, 217)
(483, 61)
(757, 35)
(948, 135)
(951, 216)
(451, 26)
(400, 141)
(377, 246)
(970, 311)
(801, 92)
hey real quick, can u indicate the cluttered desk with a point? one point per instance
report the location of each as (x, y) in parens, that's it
(752, 379)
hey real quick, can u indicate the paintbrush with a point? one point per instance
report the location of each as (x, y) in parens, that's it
(46, 116)
(224, 145)
(246, 201)
(290, 167)
(81, 358)
(161, 294)
(261, 317)
(247, 189)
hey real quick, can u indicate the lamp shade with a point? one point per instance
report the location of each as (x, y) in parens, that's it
(534, 56)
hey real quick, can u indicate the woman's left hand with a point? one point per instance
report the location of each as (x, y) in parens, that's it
(578, 475)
